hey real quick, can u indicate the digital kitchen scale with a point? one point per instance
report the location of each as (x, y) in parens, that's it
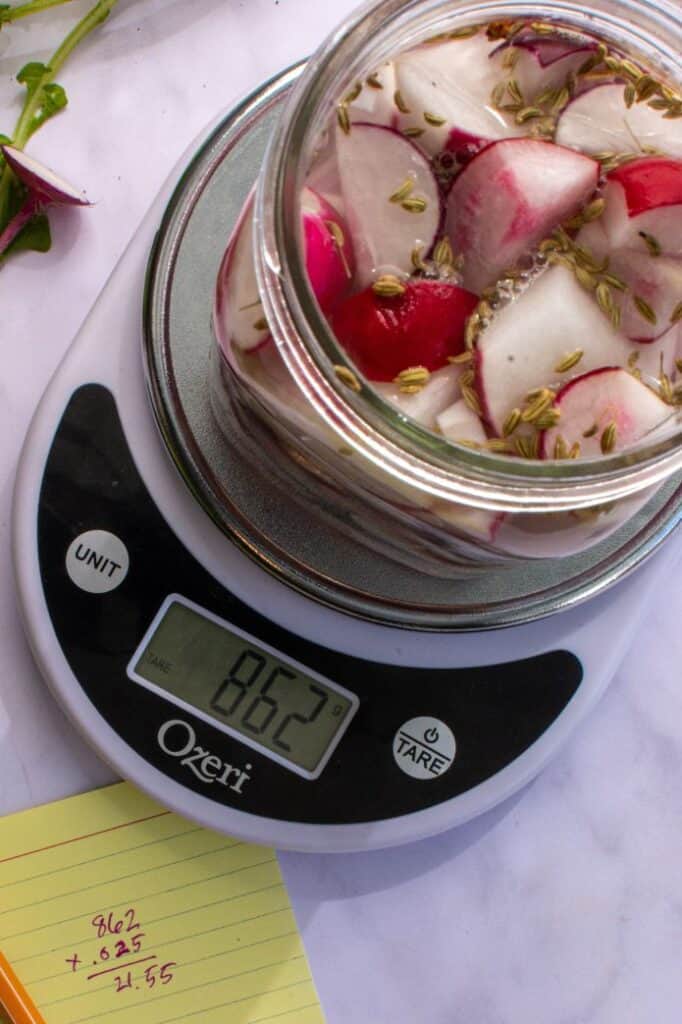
(232, 656)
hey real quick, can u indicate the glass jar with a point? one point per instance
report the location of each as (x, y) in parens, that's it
(348, 453)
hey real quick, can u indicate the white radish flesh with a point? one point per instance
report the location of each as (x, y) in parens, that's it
(374, 163)
(606, 400)
(238, 311)
(452, 81)
(543, 63)
(375, 105)
(598, 121)
(531, 336)
(508, 198)
(40, 180)
(426, 405)
(460, 423)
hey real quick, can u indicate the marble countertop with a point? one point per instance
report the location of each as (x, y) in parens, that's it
(563, 905)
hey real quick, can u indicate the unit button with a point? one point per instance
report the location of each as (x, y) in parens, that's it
(97, 561)
(424, 747)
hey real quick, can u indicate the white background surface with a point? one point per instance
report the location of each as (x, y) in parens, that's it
(563, 906)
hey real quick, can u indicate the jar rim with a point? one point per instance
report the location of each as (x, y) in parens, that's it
(365, 420)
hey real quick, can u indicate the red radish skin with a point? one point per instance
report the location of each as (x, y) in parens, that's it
(649, 183)
(421, 327)
(508, 198)
(598, 121)
(374, 163)
(644, 197)
(330, 265)
(50, 189)
(609, 395)
(237, 310)
(44, 189)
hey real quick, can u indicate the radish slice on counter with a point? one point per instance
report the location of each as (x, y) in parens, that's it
(329, 262)
(41, 181)
(598, 121)
(644, 200)
(444, 91)
(391, 199)
(509, 197)
(605, 411)
(419, 328)
(425, 406)
(532, 336)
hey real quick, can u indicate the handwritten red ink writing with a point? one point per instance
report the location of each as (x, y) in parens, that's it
(111, 960)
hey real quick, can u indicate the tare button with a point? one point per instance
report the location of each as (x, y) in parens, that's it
(97, 561)
(424, 747)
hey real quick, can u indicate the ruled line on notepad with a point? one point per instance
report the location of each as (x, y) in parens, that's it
(173, 916)
(88, 835)
(275, 1016)
(231, 1002)
(136, 899)
(96, 860)
(122, 878)
(203, 987)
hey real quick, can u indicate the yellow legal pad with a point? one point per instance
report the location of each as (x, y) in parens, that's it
(115, 910)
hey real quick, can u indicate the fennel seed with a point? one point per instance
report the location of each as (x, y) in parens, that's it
(343, 118)
(388, 286)
(644, 309)
(591, 431)
(400, 103)
(569, 361)
(463, 357)
(403, 192)
(347, 377)
(414, 205)
(608, 438)
(652, 244)
(433, 119)
(373, 81)
(511, 423)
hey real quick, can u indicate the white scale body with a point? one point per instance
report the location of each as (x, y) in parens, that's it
(433, 727)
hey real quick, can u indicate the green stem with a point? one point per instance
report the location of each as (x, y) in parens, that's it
(22, 131)
(25, 10)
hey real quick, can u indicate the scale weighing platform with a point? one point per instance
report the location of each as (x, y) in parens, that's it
(208, 639)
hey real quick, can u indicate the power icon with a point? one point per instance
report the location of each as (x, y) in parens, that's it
(432, 735)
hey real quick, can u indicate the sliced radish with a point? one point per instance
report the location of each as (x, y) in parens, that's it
(598, 121)
(459, 423)
(644, 198)
(426, 405)
(476, 522)
(375, 105)
(452, 81)
(421, 327)
(530, 337)
(374, 164)
(508, 198)
(544, 62)
(328, 250)
(656, 280)
(606, 399)
(41, 181)
(238, 312)
(329, 260)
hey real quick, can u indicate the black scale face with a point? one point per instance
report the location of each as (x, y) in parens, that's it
(229, 704)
